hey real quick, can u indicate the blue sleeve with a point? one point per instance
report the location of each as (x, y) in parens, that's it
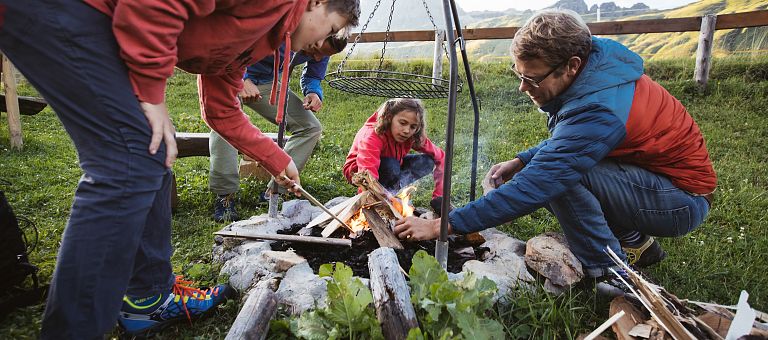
(313, 74)
(527, 155)
(578, 142)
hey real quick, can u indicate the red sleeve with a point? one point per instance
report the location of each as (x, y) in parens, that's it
(438, 155)
(369, 154)
(147, 31)
(221, 111)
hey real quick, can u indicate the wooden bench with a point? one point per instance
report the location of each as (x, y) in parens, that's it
(192, 144)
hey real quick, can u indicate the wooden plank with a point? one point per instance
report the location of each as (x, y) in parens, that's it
(741, 20)
(196, 143)
(252, 321)
(381, 231)
(688, 24)
(12, 104)
(344, 215)
(391, 295)
(28, 106)
(365, 180)
(336, 209)
(287, 238)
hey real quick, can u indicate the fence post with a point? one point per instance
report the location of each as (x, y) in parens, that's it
(704, 51)
(12, 103)
(437, 60)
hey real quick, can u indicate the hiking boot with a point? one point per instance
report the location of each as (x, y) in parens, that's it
(224, 208)
(142, 316)
(646, 254)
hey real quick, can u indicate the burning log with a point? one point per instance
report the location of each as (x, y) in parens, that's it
(391, 295)
(253, 320)
(345, 214)
(365, 180)
(381, 230)
(336, 209)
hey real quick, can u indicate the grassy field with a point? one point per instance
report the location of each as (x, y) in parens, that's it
(726, 254)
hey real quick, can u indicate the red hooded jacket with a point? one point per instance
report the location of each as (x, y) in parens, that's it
(369, 147)
(216, 39)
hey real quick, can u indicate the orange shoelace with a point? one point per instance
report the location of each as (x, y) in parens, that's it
(182, 290)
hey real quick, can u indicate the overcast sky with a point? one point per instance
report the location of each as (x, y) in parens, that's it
(480, 5)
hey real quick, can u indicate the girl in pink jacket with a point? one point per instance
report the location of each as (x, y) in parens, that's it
(383, 144)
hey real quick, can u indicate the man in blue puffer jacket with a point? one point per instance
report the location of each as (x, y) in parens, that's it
(624, 162)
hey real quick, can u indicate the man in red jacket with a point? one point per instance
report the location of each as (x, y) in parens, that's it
(103, 66)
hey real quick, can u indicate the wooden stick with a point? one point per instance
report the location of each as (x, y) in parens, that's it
(604, 326)
(391, 295)
(288, 238)
(314, 201)
(252, 321)
(381, 231)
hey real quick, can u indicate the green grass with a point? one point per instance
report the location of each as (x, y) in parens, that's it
(713, 263)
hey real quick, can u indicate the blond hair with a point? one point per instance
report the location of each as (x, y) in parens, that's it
(390, 108)
(553, 36)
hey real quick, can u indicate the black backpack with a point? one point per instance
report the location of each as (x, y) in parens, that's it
(14, 263)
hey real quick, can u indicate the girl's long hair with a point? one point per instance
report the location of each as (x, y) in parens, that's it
(392, 107)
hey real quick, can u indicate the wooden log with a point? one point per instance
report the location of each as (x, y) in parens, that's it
(12, 104)
(287, 238)
(28, 106)
(253, 320)
(196, 143)
(365, 180)
(704, 51)
(391, 295)
(381, 231)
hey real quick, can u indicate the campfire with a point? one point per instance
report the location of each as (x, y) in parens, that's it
(374, 209)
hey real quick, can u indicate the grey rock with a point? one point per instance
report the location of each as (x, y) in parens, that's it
(301, 289)
(549, 255)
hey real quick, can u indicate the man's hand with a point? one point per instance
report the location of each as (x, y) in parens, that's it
(289, 178)
(501, 173)
(250, 92)
(312, 102)
(162, 130)
(413, 228)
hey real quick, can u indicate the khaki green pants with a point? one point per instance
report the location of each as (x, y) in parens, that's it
(302, 124)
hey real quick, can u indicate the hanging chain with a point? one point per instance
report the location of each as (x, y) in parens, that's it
(386, 34)
(357, 39)
(431, 19)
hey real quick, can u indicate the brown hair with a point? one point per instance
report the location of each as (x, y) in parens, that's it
(553, 36)
(349, 9)
(392, 107)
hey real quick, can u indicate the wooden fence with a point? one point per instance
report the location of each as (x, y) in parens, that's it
(706, 25)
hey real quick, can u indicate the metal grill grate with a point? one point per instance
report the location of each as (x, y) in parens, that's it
(389, 84)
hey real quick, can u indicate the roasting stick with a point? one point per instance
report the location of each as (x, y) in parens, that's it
(314, 201)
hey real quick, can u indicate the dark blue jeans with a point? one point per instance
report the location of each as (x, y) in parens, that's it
(117, 239)
(614, 198)
(394, 176)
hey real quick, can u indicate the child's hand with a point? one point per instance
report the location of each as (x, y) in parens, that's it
(312, 102)
(250, 92)
(289, 178)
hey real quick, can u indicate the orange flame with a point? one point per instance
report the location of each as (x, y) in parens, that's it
(358, 222)
(402, 201)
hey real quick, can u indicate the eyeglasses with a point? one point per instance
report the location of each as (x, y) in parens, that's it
(536, 82)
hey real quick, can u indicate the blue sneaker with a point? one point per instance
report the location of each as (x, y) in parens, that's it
(142, 316)
(224, 208)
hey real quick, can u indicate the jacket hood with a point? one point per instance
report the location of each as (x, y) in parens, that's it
(609, 64)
